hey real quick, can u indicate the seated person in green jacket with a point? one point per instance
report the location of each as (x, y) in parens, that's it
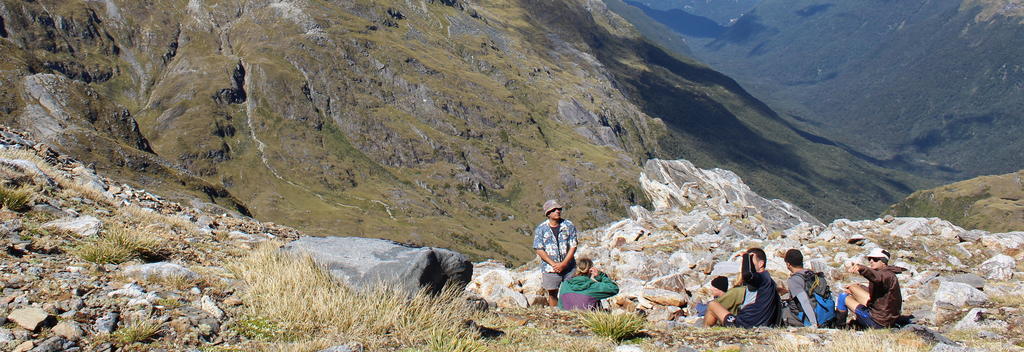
(732, 299)
(587, 288)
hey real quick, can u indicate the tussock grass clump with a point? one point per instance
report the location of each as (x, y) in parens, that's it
(302, 298)
(16, 199)
(617, 327)
(440, 342)
(845, 340)
(142, 217)
(120, 244)
(137, 331)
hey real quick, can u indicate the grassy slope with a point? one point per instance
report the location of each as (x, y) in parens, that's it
(991, 203)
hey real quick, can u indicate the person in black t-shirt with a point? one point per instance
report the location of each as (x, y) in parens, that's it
(765, 308)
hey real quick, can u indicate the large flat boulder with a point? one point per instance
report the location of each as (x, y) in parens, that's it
(365, 262)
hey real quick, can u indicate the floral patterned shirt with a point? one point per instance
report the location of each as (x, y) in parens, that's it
(557, 247)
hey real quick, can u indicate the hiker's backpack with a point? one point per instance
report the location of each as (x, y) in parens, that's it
(822, 302)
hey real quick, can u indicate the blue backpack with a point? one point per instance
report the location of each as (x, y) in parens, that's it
(823, 303)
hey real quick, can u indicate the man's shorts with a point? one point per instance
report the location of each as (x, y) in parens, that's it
(551, 281)
(864, 318)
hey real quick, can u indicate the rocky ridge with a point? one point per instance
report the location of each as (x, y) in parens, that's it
(959, 282)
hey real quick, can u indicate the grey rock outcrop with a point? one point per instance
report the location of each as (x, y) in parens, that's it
(83, 226)
(364, 262)
(160, 270)
(999, 267)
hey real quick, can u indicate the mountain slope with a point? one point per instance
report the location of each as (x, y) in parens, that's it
(943, 77)
(445, 123)
(991, 203)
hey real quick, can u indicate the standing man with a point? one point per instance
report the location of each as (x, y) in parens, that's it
(878, 305)
(554, 240)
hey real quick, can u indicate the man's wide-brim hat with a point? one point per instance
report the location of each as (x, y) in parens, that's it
(878, 253)
(550, 205)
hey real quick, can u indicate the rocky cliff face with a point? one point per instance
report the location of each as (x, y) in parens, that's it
(435, 122)
(664, 258)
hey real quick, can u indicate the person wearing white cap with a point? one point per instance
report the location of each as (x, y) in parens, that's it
(554, 240)
(878, 305)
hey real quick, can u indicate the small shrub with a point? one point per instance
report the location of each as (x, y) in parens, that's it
(137, 331)
(16, 199)
(617, 327)
(120, 244)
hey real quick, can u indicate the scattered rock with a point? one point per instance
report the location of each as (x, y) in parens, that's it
(107, 323)
(68, 330)
(159, 270)
(975, 281)
(6, 335)
(52, 344)
(29, 318)
(951, 297)
(665, 297)
(84, 226)
(343, 348)
(363, 262)
(999, 268)
(208, 305)
(628, 348)
(978, 318)
(24, 347)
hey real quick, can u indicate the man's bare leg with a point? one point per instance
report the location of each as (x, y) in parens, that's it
(553, 298)
(715, 314)
(859, 295)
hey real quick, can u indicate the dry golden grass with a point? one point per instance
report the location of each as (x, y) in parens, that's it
(845, 340)
(120, 243)
(301, 297)
(16, 199)
(614, 326)
(137, 331)
(1008, 301)
(139, 216)
(68, 186)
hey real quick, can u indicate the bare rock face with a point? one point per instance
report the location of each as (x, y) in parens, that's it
(679, 185)
(363, 262)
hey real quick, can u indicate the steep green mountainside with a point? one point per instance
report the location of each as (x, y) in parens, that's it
(444, 122)
(931, 87)
(991, 203)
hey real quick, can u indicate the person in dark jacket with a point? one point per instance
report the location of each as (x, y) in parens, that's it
(878, 305)
(765, 308)
(587, 288)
